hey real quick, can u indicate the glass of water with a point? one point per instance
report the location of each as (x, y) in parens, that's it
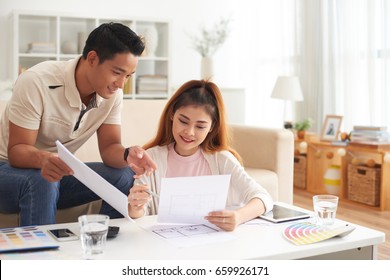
(93, 233)
(325, 207)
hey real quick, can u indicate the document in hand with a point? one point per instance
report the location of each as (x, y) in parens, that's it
(94, 181)
(187, 200)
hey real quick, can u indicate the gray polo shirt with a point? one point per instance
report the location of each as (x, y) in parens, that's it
(45, 98)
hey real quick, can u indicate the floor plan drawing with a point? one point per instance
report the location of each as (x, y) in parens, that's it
(181, 231)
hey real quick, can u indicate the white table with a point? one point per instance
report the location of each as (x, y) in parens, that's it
(252, 242)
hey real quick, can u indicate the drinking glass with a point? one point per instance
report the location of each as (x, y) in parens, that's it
(93, 233)
(325, 207)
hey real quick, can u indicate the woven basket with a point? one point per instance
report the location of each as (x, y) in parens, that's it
(363, 184)
(300, 172)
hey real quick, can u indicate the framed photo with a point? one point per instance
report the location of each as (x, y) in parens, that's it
(331, 128)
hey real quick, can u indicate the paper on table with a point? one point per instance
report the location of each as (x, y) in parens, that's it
(189, 199)
(94, 181)
(191, 235)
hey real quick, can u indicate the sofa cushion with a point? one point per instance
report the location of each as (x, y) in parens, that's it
(267, 179)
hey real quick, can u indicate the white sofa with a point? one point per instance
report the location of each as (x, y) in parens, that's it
(267, 153)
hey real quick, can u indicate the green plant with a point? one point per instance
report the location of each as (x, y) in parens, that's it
(211, 39)
(303, 125)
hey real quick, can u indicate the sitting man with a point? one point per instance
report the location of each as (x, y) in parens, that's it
(69, 101)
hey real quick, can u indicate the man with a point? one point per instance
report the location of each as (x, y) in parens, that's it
(69, 101)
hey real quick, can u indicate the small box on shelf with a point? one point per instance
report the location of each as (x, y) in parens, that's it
(364, 184)
(300, 171)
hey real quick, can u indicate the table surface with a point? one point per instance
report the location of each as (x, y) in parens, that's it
(252, 241)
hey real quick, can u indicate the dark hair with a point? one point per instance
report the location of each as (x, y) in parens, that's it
(111, 38)
(199, 93)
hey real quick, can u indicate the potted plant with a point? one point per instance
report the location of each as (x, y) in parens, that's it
(302, 126)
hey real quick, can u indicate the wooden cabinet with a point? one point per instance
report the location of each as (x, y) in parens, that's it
(39, 36)
(322, 155)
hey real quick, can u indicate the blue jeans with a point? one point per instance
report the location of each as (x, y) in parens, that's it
(26, 192)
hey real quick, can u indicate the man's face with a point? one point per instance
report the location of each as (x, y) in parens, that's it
(108, 77)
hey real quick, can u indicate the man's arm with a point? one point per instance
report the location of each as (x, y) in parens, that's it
(23, 154)
(112, 151)
(110, 147)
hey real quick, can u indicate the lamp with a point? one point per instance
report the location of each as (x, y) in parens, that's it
(288, 89)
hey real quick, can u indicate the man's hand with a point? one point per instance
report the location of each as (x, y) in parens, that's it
(140, 161)
(53, 168)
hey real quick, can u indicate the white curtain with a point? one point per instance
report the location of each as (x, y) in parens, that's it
(340, 49)
(265, 47)
(345, 62)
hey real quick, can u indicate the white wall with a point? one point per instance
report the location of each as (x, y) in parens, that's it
(186, 16)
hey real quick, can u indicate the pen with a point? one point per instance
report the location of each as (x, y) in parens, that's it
(153, 181)
(153, 194)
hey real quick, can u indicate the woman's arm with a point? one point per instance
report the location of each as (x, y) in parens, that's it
(229, 219)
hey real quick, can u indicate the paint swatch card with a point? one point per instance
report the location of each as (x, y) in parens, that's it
(307, 233)
(25, 238)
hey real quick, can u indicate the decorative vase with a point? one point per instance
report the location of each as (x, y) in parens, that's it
(207, 68)
(151, 40)
(69, 47)
(332, 178)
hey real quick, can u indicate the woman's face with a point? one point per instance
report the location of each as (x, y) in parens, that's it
(190, 127)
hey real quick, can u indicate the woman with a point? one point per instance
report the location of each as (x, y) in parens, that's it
(192, 140)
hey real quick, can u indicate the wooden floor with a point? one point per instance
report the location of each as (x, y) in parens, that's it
(356, 213)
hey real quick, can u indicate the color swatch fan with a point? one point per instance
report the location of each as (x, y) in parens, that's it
(307, 233)
(24, 239)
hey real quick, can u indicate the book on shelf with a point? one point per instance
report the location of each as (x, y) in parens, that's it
(370, 138)
(339, 143)
(152, 84)
(152, 87)
(152, 93)
(371, 133)
(152, 78)
(370, 128)
(41, 47)
(382, 145)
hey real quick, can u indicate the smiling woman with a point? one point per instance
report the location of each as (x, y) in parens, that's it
(192, 140)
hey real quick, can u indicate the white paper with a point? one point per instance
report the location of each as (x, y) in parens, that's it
(191, 235)
(94, 181)
(188, 200)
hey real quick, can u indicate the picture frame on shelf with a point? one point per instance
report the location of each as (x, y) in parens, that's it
(331, 128)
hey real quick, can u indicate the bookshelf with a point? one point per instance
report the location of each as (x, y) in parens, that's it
(40, 36)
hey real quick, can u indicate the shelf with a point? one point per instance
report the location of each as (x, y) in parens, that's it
(65, 34)
(321, 155)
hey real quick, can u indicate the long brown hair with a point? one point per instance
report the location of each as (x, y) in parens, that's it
(200, 93)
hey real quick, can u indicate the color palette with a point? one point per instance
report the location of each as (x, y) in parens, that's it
(24, 238)
(307, 233)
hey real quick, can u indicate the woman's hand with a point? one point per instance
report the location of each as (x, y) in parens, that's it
(226, 219)
(138, 198)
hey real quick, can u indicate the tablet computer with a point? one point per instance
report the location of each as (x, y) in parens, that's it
(283, 214)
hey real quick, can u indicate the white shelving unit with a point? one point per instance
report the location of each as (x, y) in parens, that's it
(63, 35)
